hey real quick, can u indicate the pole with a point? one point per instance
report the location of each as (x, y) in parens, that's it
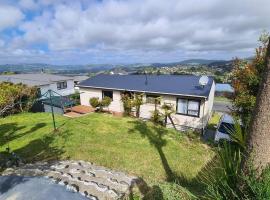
(50, 92)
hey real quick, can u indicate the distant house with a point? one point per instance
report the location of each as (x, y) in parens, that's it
(60, 85)
(63, 85)
(77, 80)
(192, 102)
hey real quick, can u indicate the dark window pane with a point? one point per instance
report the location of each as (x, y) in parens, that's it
(107, 93)
(61, 85)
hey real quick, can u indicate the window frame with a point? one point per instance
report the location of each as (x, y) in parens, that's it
(62, 84)
(153, 96)
(107, 91)
(188, 100)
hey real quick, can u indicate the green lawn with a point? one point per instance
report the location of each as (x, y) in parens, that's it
(214, 121)
(154, 153)
(222, 99)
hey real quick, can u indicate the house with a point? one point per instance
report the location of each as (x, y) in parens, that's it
(61, 86)
(192, 102)
(78, 79)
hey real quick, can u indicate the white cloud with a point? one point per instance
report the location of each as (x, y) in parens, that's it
(28, 4)
(9, 16)
(135, 28)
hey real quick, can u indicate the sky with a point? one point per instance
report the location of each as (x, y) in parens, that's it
(129, 31)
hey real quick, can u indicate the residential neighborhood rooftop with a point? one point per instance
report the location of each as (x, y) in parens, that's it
(185, 85)
(33, 79)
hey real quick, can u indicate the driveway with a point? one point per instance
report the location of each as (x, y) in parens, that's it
(222, 106)
(34, 188)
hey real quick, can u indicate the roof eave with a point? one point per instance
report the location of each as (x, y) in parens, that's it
(119, 89)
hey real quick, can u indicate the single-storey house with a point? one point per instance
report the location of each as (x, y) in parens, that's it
(63, 85)
(192, 102)
(60, 85)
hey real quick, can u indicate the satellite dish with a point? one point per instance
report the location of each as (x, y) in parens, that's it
(203, 81)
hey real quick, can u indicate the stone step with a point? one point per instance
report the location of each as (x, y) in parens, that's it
(95, 182)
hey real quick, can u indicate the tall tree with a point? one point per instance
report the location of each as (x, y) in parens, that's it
(258, 142)
(246, 81)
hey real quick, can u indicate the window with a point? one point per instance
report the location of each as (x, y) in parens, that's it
(188, 107)
(153, 99)
(61, 85)
(38, 93)
(107, 93)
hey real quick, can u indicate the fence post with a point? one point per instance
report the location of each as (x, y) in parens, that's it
(51, 102)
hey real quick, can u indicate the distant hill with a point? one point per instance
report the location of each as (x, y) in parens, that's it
(97, 68)
(200, 61)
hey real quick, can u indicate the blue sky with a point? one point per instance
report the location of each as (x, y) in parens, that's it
(129, 31)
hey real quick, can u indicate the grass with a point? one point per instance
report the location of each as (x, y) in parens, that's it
(213, 121)
(156, 154)
(222, 99)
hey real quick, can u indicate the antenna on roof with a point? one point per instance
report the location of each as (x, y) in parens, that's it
(203, 81)
(146, 78)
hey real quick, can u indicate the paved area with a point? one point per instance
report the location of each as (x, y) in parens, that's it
(73, 114)
(224, 107)
(94, 182)
(34, 188)
(81, 109)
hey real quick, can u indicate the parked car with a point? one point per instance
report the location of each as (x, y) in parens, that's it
(225, 128)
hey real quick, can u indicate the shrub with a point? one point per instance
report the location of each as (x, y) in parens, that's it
(157, 117)
(105, 102)
(137, 102)
(127, 104)
(94, 102)
(75, 97)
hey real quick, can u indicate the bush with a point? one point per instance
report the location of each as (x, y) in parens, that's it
(127, 104)
(94, 102)
(157, 117)
(105, 102)
(75, 97)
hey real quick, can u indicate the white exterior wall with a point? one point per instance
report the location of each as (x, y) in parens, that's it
(87, 93)
(182, 121)
(53, 86)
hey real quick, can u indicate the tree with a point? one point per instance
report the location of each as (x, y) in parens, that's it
(16, 98)
(168, 111)
(246, 80)
(137, 102)
(258, 151)
(127, 104)
(105, 102)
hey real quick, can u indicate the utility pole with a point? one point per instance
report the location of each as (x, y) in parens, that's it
(51, 102)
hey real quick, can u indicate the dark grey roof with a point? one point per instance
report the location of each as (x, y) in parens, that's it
(80, 78)
(33, 79)
(184, 85)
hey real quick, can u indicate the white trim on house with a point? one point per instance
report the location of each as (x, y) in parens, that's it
(174, 94)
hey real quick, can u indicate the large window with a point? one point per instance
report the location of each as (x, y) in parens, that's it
(152, 99)
(188, 107)
(107, 93)
(61, 85)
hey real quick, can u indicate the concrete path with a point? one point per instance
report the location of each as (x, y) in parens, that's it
(92, 181)
(224, 107)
